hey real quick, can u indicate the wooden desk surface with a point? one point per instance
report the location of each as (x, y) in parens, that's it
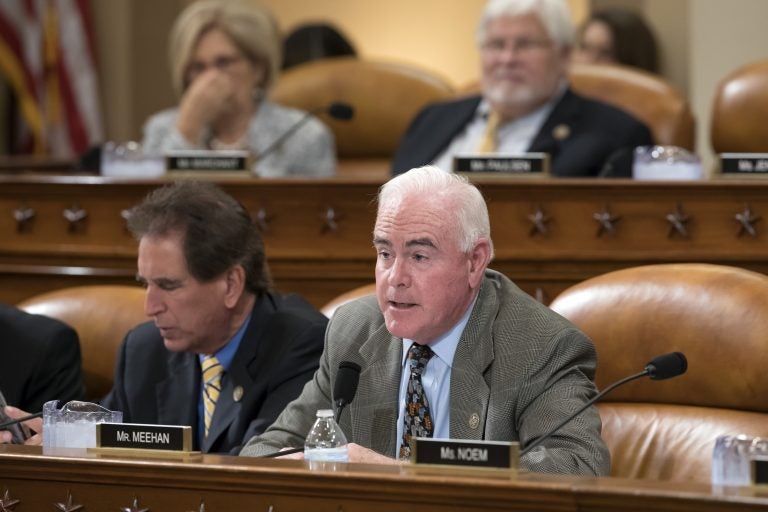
(63, 230)
(226, 483)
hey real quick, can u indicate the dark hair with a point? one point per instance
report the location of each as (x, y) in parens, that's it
(634, 43)
(315, 41)
(217, 230)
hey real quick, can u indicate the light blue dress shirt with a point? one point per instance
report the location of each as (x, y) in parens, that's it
(436, 379)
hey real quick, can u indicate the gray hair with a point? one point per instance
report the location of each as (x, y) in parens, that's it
(470, 220)
(555, 15)
(250, 26)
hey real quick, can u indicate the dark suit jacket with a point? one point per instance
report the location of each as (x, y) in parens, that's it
(39, 360)
(596, 131)
(279, 352)
(519, 369)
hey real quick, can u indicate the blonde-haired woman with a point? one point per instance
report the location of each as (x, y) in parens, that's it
(224, 57)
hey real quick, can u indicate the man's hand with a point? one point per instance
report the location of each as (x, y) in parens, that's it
(358, 453)
(35, 424)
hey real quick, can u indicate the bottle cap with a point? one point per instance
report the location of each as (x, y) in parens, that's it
(325, 413)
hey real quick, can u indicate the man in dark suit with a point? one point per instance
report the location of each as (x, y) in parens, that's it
(39, 360)
(494, 363)
(224, 354)
(526, 104)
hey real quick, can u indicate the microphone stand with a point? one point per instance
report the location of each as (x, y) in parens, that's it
(597, 397)
(11, 423)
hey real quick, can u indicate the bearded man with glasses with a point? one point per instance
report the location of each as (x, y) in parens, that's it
(526, 104)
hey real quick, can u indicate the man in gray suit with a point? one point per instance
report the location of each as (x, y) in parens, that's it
(500, 366)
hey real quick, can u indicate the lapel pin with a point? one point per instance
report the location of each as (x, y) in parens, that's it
(474, 421)
(237, 394)
(561, 132)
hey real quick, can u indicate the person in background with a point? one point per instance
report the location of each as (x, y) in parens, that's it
(526, 104)
(617, 36)
(224, 57)
(224, 353)
(39, 360)
(314, 41)
(474, 355)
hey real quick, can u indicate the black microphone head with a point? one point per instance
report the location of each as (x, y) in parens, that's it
(341, 111)
(345, 387)
(667, 366)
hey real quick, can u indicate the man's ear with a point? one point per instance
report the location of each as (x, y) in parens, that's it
(234, 281)
(479, 258)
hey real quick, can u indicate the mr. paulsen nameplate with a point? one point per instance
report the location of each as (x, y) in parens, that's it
(528, 164)
(145, 437)
(226, 161)
(478, 454)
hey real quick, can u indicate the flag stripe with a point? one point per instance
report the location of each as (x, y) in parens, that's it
(47, 55)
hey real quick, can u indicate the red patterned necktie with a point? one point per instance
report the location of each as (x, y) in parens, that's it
(417, 420)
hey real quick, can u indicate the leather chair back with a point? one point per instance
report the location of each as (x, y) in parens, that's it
(385, 96)
(101, 315)
(330, 307)
(648, 97)
(718, 317)
(740, 111)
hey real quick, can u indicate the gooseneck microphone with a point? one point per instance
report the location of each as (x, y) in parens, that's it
(346, 385)
(337, 110)
(661, 367)
(344, 390)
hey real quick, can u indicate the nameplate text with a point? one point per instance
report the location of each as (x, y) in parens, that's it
(457, 452)
(145, 437)
(743, 164)
(528, 164)
(226, 161)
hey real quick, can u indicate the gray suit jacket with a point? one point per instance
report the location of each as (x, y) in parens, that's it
(519, 367)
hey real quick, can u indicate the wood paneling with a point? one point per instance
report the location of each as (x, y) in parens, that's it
(318, 232)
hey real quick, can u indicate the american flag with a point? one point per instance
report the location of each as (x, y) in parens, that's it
(47, 57)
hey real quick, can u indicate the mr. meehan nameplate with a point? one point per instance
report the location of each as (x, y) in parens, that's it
(466, 453)
(144, 437)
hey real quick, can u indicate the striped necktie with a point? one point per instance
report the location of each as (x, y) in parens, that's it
(417, 420)
(212, 371)
(489, 142)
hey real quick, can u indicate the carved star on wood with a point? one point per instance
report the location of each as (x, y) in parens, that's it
(678, 221)
(68, 505)
(7, 504)
(134, 507)
(747, 220)
(202, 507)
(539, 220)
(262, 219)
(606, 221)
(331, 220)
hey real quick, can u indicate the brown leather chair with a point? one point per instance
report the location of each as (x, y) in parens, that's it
(740, 111)
(718, 317)
(101, 315)
(330, 307)
(385, 96)
(648, 97)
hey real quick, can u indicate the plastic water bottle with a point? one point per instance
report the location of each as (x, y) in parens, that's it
(326, 441)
